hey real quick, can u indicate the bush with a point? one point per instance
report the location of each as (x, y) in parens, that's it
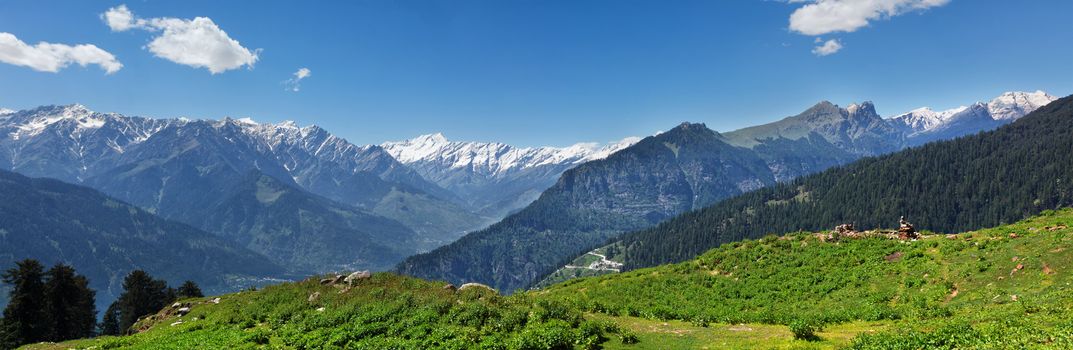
(628, 337)
(805, 329)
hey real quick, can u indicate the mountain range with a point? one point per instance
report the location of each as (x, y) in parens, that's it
(684, 169)
(494, 178)
(986, 179)
(308, 201)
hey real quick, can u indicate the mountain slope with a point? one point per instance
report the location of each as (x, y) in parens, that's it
(494, 178)
(687, 167)
(977, 181)
(1011, 283)
(304, 232)
(104, 239)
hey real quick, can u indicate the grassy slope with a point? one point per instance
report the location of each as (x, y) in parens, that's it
(897, 294)
(908, 285)
(385, 312)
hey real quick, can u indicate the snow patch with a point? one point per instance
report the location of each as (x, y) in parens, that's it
(494, 158)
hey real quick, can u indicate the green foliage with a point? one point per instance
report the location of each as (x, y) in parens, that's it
(805, 329)
(24, 317)
(927, 290)
(384, 312)
(142, 295)
(70, 312)
(189, 289)
(55, 305)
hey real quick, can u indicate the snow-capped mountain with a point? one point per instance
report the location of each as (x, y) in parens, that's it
(1014, 105)
(177, 167)
(493, 158)
(924, 124)
(4, 111)
(495, 178)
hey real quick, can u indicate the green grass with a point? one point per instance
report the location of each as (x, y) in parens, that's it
(798, 278)
(869, 293)
(385, 312)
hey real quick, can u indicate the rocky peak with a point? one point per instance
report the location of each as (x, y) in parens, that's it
(864, 110)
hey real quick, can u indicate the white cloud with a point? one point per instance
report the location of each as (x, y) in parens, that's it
(829, 16)
(49, 57)
(119, 18)
(293, 83)
(198, 43)
(828, 47)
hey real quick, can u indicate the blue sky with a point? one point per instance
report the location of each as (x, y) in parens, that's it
(543, 72)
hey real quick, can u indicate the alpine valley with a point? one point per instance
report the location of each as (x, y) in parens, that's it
(687, 168)
(233, 202)
(750, 271)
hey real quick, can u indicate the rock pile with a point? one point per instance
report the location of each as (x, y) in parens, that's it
(906, 231)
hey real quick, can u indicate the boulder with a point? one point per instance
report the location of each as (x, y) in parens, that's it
(313, 297)
(472, 285)
(356, 277)
(449, 287)
(183, 311)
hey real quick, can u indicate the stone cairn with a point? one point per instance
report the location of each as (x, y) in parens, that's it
(906, 231)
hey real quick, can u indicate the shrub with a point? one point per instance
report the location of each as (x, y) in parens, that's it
(804, 329)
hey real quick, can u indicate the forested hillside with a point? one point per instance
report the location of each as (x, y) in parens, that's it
(104, 239)
(687, 167)
(977, 181)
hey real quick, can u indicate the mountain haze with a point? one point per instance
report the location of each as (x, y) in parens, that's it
(105, 238)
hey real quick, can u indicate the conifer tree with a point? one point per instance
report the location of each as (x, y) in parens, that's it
(24, 315)
(189, 289)
(69, 304)
(110, 323)
(142, 295)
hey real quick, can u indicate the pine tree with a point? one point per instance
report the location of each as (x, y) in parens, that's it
(110, 323)
(189, 289)
(142, 295)
(24, 315)
(69, 304)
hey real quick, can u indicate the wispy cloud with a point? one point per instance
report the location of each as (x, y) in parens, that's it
(49, 57)
(197, 42)
(828, 47)
(821, 17)
(294, 83)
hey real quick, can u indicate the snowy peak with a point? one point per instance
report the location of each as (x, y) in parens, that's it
(1013, 105)
(494, 158)
(75, 118)
(5, 111)
(1006, 107)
